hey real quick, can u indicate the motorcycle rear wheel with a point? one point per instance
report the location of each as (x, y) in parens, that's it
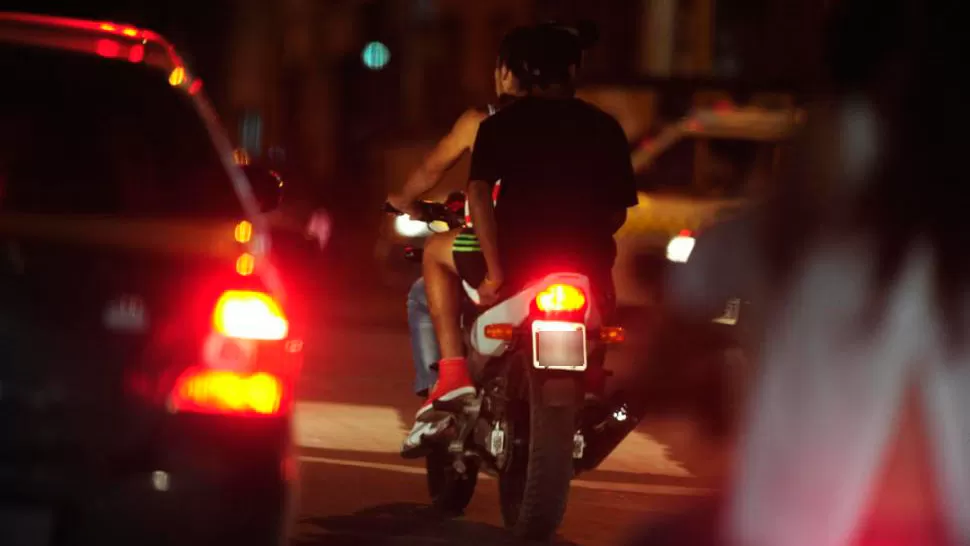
(450, 490)
(534, 485)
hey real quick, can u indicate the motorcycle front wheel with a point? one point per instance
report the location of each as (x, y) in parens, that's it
(534, 484)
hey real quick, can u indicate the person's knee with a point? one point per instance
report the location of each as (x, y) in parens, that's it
(433, 247)
(436, 246)
(418, 295)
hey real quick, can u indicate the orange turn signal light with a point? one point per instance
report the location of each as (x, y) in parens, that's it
(246, 264)
(612, 334)
(243, 232)
(502, 332)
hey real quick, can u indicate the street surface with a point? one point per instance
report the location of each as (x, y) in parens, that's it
(356, 403)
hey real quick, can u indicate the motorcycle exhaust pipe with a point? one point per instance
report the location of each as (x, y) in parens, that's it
(604, 437)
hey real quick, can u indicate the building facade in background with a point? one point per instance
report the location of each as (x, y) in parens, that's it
(299, 88)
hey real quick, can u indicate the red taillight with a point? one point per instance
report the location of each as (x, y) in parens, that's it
(202, 390)
(107, 48)
(244, 314)
(561, 298)
(136, 54)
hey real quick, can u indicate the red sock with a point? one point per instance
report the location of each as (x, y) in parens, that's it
(452, 374)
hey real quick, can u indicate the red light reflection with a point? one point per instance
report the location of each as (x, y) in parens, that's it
(107, 48)
(136, 54)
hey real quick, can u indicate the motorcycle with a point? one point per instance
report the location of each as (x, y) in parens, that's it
(538, 419)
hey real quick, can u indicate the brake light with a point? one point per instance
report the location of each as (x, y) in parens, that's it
(136, 54)
(249, 315)
(561, 298)
(201, 390)
(107, 48)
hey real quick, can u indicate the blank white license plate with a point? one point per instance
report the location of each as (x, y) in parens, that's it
(732, 311)
(559, 345)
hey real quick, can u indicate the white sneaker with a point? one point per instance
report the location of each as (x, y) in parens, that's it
(414, 442)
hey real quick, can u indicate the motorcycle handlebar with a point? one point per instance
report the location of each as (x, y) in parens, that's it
(430, 211)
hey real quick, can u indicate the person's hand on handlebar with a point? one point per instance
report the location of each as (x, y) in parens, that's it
(405, 205)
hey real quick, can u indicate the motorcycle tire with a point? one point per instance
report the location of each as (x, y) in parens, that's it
(450, 490)
(534, 485)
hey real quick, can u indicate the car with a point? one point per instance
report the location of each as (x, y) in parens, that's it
(697, 177)
(147, 360)
(690, 175)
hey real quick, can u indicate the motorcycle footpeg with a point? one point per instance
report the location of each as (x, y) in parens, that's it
(416, 452)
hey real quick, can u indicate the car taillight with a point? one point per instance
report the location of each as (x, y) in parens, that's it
(204, 390)
(561, 298)
(242, 314)
(246, 365)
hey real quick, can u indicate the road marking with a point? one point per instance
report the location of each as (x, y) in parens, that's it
(379, 429)
(616, 487)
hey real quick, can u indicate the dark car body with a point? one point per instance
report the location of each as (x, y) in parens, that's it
(146, 362)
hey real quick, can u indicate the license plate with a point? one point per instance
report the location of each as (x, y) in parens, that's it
(732, 311)
(559, 345)
(25, 527)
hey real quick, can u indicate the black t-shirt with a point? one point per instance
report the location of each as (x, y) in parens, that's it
(565, 171)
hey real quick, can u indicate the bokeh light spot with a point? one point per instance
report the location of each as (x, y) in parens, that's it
(375, 55)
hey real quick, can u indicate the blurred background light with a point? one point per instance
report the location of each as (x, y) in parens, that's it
(376, 55)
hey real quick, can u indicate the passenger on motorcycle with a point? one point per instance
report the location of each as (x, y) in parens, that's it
(566, 184)
(446, 154)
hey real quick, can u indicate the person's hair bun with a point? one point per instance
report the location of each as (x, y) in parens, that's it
(587, 34)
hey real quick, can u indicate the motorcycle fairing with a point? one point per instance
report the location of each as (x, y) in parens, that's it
(515, 311)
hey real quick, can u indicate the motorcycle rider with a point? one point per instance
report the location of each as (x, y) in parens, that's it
(566, 179)
(446, 154)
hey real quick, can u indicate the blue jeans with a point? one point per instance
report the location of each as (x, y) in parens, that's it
(424, 343)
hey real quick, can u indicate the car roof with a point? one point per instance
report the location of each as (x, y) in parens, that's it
(129, 44)
(751, 123)
(105, 39)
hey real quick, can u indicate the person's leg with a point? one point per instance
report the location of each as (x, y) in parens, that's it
(424, 343)
(442, 288)
(441, 295)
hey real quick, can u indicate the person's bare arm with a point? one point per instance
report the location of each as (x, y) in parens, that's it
(483, 216)
(449, 150)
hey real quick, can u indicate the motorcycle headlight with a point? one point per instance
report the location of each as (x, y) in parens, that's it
(680, 247)
(405, 226)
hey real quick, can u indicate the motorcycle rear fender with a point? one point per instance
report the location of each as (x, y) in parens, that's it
(557, 389)
(515, 311)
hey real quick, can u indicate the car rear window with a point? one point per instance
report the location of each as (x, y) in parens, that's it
(84, 135)
(708, 168)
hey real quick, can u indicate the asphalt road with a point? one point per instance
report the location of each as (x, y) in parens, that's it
(355, 404)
